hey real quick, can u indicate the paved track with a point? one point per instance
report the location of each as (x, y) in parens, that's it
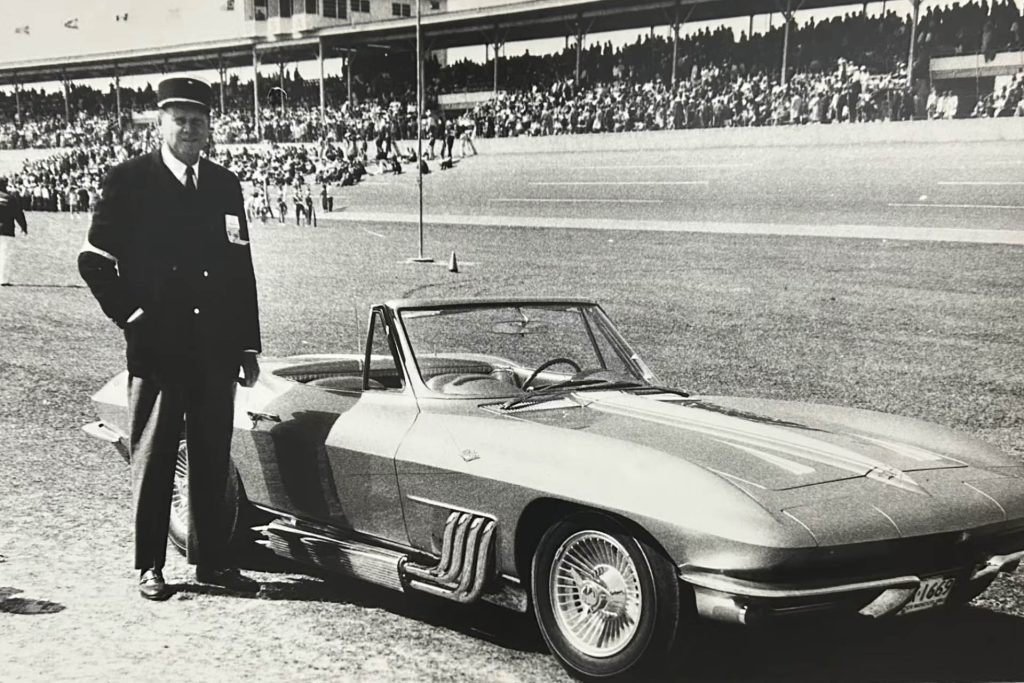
(903, 191)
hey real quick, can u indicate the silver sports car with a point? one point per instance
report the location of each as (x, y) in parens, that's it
(521, 452)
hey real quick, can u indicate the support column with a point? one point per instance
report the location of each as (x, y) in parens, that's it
(280, 84)
(913, 43)
(579, 50)
(677, 23)
(256, 94)
(222, 74)
(675, 46)
(348, 74)
(323, 93)
(787, 17)
(497, 56)
(750, 30)
(17, 99)
(117, 96)
(67, 104)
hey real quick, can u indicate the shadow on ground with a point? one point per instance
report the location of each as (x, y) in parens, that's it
(12, 605)
(959, 644)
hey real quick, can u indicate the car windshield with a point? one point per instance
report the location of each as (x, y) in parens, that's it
(505, 350)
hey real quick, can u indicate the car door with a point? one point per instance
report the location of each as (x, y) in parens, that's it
(361, 446)
(282, 456)
(327, 454)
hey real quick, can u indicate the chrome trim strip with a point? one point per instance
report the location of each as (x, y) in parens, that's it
(995, 564)
(446, 541)
(750, 589)
(449, 506)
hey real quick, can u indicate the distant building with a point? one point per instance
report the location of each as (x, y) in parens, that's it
(277, 17)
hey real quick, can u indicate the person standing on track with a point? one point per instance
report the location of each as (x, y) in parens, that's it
(168, 260)
(10, 213)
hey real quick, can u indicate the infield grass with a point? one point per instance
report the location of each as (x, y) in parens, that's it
(928, 330)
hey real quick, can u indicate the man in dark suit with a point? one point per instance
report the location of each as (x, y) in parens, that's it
(168, 259)
(10, 213)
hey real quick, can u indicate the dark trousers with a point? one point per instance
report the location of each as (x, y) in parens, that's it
(159, 409)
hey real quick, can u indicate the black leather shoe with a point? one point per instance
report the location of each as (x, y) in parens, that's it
(152, 585)
(227, 577)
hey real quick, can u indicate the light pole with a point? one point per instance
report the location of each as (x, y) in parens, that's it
(419, 258)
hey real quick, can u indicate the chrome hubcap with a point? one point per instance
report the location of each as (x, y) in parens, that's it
(595, 593)
(179, 494)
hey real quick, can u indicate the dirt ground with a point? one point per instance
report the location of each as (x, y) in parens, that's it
(926, 330)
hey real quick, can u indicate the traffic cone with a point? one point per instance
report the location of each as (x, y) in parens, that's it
(453, 264)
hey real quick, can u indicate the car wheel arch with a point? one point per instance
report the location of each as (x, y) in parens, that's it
(542, 513)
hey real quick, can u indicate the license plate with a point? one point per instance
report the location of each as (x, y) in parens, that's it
(931, 593)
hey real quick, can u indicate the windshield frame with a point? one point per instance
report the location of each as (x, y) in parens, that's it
(593, 318)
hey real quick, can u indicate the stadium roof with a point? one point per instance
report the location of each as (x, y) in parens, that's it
(508, 23)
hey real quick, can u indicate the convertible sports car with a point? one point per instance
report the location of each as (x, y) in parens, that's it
(520, 452)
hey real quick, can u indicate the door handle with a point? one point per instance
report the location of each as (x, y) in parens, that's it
(260, 417)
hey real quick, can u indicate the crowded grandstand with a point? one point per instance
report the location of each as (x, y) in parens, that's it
(845, 69)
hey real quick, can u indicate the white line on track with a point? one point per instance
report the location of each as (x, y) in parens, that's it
(1013, 183)
(877, 232)
(959, 206)
(577, 200)
(375, 234)
(621, 182)
(679, 166)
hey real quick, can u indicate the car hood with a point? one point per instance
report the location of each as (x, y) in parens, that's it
(773, 445)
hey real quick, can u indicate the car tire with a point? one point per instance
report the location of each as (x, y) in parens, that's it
(177, 530)
(619, 608)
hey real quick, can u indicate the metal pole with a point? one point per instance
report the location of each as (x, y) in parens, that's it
(256, 94)
(750, 31)
(786, 16)
(323, 94)
(913, 42)
(420, 258)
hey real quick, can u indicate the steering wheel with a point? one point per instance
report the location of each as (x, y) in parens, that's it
(547, 364)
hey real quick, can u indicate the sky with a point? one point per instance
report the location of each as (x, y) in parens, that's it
(168, 22)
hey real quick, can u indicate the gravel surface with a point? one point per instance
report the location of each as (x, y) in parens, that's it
(928, 330)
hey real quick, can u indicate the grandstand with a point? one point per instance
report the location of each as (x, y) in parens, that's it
(966, 61)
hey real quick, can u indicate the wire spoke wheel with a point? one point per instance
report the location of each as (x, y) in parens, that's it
(179, 491)
(595, 593)
(607, 602)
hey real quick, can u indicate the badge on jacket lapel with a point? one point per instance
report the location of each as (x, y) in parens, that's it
(233, 230)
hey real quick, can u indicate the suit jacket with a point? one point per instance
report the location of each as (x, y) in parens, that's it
(10, 213)
(182, 257)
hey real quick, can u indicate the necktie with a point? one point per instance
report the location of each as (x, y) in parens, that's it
(190, 179)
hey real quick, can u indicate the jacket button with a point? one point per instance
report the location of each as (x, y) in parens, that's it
(206, 273)
(174, 269)
(196, 311)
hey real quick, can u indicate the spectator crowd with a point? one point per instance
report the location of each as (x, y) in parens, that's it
(843, 69)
